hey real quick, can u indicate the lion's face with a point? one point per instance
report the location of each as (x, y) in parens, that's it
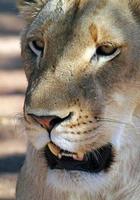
(83, 67)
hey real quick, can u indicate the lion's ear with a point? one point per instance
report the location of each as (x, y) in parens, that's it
(135, 9)
(30, 8)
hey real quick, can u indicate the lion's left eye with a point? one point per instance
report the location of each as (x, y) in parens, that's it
(37, 47)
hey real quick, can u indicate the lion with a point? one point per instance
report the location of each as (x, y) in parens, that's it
(82, 104)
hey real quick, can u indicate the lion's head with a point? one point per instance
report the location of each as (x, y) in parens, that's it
(82, 63)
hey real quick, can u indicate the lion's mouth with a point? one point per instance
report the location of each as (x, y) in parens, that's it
(93, 162)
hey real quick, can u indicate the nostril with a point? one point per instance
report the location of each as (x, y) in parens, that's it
(55, 121)
(49, 122)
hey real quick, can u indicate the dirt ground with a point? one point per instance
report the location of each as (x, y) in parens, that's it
(12, 89)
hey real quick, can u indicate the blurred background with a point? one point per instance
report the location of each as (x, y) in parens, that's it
(12, 89)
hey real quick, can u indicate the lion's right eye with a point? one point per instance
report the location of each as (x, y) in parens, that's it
(37, 47)
(106, 50)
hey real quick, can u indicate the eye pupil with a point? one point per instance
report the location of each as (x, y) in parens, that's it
(106, 50)
(38, 44)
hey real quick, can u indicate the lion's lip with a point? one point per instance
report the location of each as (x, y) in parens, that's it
(93, 162)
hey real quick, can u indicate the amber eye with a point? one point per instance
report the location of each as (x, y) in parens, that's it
(37, 47)
(106, 50)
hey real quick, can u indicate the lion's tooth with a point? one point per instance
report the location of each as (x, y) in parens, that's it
(67, 154)
(59, 155)
(79, 156)
(54, 149)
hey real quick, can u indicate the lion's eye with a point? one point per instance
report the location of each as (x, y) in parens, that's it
(37, 47)
(105, 53)
(106, 50)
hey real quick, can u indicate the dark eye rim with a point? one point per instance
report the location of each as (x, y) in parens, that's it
(100, 51)
(34, 48)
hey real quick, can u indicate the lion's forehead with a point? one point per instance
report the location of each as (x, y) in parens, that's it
(82, 13)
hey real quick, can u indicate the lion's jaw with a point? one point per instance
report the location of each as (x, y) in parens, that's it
(101, 92)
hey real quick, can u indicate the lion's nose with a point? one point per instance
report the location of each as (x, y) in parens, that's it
(48, 122)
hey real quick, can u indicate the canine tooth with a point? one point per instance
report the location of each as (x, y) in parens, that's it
(54, 149)
(59, 155)
(79, 156)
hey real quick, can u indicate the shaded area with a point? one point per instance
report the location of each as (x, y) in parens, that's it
(11, 164)
(8, 6)
(7, 31)
(10, 25)
(6, 199)
(12, 93)
(12, 89)
(11, 63)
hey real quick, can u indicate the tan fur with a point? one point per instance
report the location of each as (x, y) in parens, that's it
(67, 79)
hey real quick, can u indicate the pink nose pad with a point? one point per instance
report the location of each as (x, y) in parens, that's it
(47, 122)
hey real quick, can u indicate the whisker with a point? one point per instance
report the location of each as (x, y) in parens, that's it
(97, 152)
(113, 120)
(96, 157)
(128, 125)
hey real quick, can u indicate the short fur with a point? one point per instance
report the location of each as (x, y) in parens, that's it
(104, 96)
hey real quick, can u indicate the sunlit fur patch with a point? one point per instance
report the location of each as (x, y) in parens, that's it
(93, 32)
(89, 52)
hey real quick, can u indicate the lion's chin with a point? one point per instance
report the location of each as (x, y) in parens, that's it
(92, 162)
